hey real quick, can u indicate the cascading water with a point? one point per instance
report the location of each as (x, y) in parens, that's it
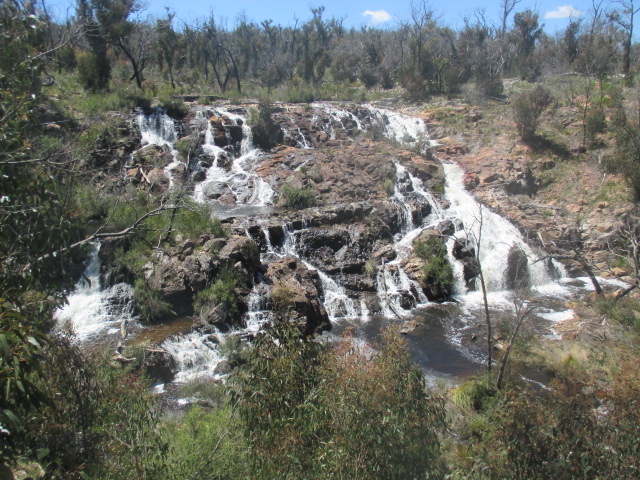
(238, 178)
(498, 238)
(92, 311)
(336, 301)
(232, 170)
(159, 129)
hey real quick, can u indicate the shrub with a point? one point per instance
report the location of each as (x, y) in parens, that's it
(174, 107)
(297, 198)
(595, 123)
(437, 275)
(625, 311)
(221, 291)
(527, 108)
(568, 431)
(149, 303)
(625, 160)
(205, 444)
(266, 132)
(313, 413)
(93, 73)
(99, 421)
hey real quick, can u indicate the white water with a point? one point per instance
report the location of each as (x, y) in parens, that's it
(239, 178)
(493, 236)
(336, 301)
(404, 129)
(159, 129)
(92, 311)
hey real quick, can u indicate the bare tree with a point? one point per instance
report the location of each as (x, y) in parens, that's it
(522, 309)
(506, 7)
(624, 17)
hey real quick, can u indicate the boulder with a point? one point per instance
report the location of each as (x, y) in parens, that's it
(301, 290)
(214, 190)
(159, 181)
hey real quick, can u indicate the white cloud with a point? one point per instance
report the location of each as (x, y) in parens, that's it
(566, 11)
(378, 16)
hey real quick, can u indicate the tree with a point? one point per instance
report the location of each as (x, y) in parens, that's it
(506, 7)
(526, 32)
(527, 108)
(522, 309)
(107, 24)
(625, 19)
(314, 413)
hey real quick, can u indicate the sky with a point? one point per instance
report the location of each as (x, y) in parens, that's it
(355, 13)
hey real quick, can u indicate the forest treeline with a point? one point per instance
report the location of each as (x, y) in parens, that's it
(107, 38)
(293, 408)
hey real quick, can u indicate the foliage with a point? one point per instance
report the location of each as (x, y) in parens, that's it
(266, 132)
(149, 303)
(33, 223)
(625, 311)
(437, 274)
(626, 157)
(174, 107)
(296, 198)
(99, 421)
(311, 413)
(205, 444)
(20, 351)
(595, 123)
(565, 433)
(527, 108)
(221, 292)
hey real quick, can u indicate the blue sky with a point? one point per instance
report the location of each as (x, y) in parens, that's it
(554, 14)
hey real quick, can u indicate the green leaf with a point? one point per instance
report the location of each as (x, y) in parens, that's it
(4, 345)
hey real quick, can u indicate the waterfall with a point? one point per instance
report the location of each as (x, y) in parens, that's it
(159, 129)
(499, 238)
(336, 301)
(404, 129)
(196, 355)
(238, 178)
(91, 310)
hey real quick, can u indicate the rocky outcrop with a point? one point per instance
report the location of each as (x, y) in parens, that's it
(178, 275)
(296, 291)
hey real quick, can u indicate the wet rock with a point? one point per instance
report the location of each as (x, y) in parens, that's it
(300, 289)
(199, 176)
(159, 181)
(517, 274)
(158, 365)
(409, 327)
(521, 181)
(223, 368)
(243, 250)
(215, 190)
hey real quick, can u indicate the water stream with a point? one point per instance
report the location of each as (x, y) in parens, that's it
(441, 343)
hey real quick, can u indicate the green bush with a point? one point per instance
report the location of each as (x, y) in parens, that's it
(221, 291)
(566, 432)
(193, 220)
(625, 311)
(527, 108)
(437, 275)
(99, 421)
(297, 198)
(205, 444)
(595, 123)
(323, 414)
(174, 107)
(149, 303)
